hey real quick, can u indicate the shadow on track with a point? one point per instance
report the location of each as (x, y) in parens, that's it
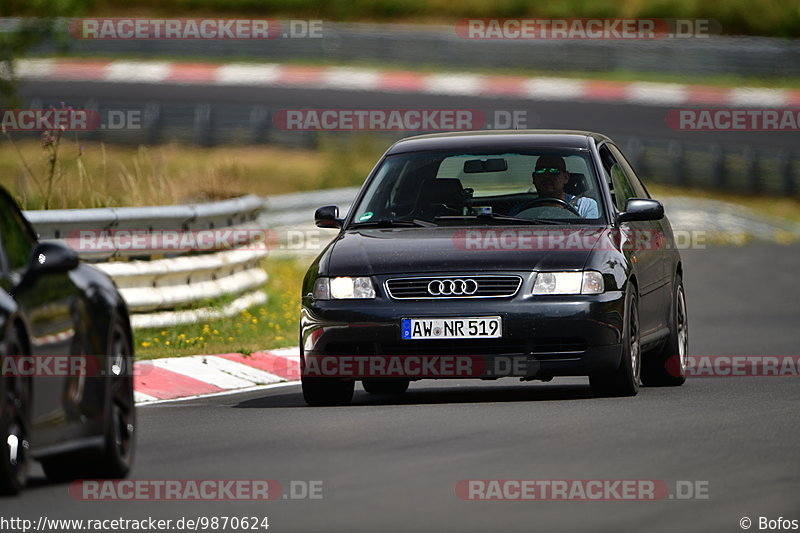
(445, 394)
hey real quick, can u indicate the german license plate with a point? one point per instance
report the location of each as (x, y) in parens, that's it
(484, 327)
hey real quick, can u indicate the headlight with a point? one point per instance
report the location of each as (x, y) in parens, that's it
(589, 282)
(343, 288)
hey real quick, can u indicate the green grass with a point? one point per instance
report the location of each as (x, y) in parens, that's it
(103, 175)
(780, 18)
(274, 324)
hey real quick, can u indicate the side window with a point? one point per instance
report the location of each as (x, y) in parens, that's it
(608, 162)
(15, 239)
(638, 187)
(622, 186)
(622, 181)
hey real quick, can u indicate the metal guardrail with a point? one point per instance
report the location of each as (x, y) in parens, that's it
(168, 283)
(404, 44)
(62, 224)
(154, 287)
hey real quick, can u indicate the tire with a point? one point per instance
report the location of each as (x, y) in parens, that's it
(666, 366)
(119, 442)
(385, 386)
(15, 425)
(624, 381)
(327, 391)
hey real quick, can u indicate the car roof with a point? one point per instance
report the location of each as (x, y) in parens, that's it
(498, 140)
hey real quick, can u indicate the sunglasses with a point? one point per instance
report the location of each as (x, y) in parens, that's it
(547, 171)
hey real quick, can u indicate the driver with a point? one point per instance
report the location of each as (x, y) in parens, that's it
(550, 177)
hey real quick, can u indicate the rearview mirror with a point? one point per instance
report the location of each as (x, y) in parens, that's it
(474, 166)
(328, 217)
(640, 209)
(53, 257)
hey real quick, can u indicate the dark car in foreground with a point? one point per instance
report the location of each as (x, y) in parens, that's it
(532, 254)
(66, 388)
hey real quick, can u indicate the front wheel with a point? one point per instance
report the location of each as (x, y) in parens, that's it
(119, 443)
(666, 366)
(327, 391)
(624, 381)
(15, 417)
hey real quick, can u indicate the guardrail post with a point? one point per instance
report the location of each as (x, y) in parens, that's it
(203, 125)
(93, 106)
(751, 164)
(718, 166)
(675, 154)
(259, 123)
(151, 122)
(35, 103)
(785, 161)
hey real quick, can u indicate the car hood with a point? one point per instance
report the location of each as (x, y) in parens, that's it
(458, 249)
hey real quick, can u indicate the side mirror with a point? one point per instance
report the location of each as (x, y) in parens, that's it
(641, 209)
(328, 217)
(51, 257)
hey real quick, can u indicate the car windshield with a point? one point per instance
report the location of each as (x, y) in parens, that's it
(448, 188)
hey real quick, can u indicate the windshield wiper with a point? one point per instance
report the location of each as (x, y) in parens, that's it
(390, 223)
(500, 218)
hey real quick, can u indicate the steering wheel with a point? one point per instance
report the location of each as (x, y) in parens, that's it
(546, 200)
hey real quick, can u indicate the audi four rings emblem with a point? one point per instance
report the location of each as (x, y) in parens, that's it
(452, 287)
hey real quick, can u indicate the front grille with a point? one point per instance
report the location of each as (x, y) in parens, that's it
(485, 287)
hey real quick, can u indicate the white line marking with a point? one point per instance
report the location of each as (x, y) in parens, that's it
(241, 370)
(195, 367)
(453, 84)
(34, 69)
(245, 74)
(138, 71)
(657, 93)
(554, 89)
(351, 78)
(758, 97)
(140, 397)
(292, 353)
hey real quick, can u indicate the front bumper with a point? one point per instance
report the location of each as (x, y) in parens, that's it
(542, 336)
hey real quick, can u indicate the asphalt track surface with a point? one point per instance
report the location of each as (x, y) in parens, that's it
(623, 119)
(393, 465)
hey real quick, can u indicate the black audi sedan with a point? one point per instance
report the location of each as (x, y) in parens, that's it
(487, 254)
(66, 354)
